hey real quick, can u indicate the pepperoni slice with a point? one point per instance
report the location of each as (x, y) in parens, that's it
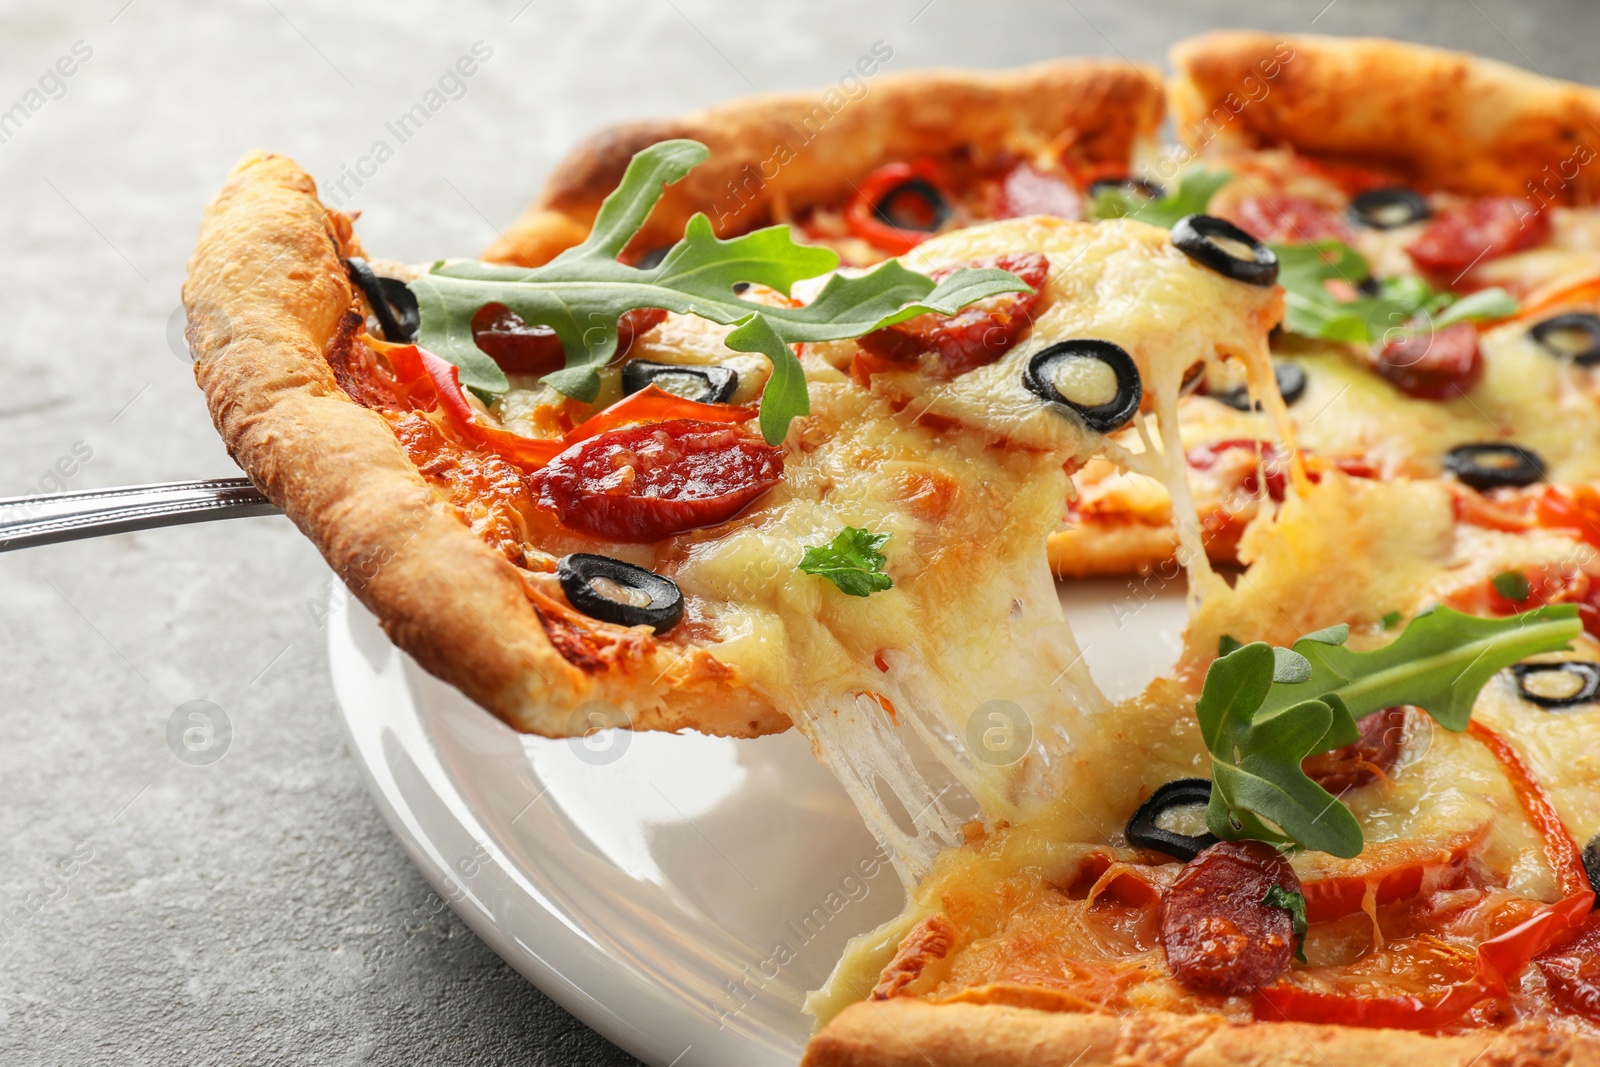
(1220, 934)
(976, 335)
(1572, 974)
(1027, 190)
(1372, 755)
(1488, 227)
(1289, 220)
(1432, 366)
(522, 349)
(643, 483)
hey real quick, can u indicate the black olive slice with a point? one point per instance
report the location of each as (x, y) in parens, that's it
(1144, 829)
(706, 384)
(1388, 209)
(1591, 864)
(1096, 379)
(1291, 383)
(1558, 685)
(652, 258)
(393, 304)
(1137, 186)
(1370, 286)
(1574, 336)
(890, 206)
(613, 591)
(1199, 237)
(1492, 466)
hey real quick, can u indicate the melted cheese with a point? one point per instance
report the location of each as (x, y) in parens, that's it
(968, 477)
(958, 692)
(1342, 551)
(1346, 550)
(1525, 394)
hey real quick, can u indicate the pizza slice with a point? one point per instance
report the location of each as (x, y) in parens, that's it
(810, 539)
(1440, 300)
(1225, 882)
(1398, 365)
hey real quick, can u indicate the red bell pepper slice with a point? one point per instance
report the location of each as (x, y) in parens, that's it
(1292, 1003)
(1500, 958)
(414, 365)
(654, 404)
(1559, 847)
(861, 213)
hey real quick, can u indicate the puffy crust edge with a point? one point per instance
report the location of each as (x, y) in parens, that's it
(1104, 108)
(265, 294)
(915, 1033)
(1439, 119)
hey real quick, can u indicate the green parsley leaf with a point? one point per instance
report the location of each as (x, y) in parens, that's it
(1391, 620)
(1193, 194)
(582, 292)
(1263, 710)
(1513, 585)
(1295, 904)
(850, 561)
(1402, 303)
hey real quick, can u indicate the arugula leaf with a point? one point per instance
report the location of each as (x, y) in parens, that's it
(582, 292)
(850, 561)
(1295, 904)
(1485, 304)
(1401, 303)
(1228, 643)
(1193, 194)
(1438, 663)
(1262, 710)
(1255, 760)
(1391, 619)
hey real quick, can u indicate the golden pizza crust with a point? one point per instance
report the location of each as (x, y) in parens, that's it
(905, 1032)
(1092, 549)
(775, 155)
(265, 295)
(1442, 120)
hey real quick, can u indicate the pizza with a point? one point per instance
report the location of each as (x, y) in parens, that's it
(1389, 374)
(915, 155)
(812, 458)
(1111, 924)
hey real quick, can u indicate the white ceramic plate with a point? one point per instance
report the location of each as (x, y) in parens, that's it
(679, 894)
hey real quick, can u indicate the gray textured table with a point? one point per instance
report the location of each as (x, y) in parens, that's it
(255, 909)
